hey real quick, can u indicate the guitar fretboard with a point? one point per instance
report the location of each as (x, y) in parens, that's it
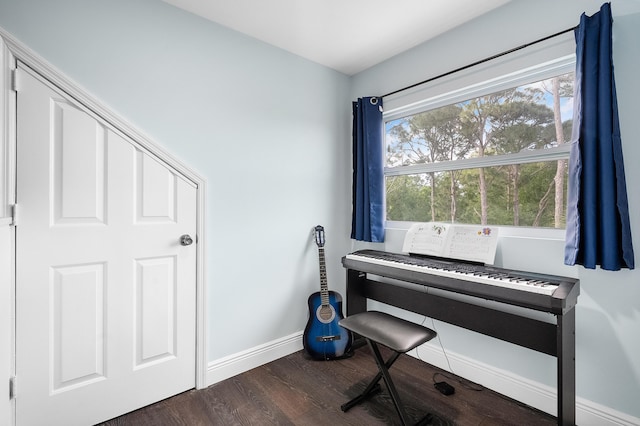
(324, 288)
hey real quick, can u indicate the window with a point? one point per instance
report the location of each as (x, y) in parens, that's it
(493, 152)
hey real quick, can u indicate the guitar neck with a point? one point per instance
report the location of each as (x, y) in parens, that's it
(324, 288)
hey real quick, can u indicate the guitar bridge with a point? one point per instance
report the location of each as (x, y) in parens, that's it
(328, 338)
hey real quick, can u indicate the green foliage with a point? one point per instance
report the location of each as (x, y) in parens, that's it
(509, 121)
(407, 199)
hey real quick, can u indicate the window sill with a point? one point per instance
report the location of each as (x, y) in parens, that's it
(504, 231)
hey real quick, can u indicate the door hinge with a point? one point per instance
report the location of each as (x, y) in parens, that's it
(14, 214)
(15, 81)
(12, 387)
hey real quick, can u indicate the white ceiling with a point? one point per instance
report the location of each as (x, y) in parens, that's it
(346, 35)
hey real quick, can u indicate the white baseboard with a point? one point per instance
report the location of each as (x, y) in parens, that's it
(534, 394)
(232, 365)
(589, 413)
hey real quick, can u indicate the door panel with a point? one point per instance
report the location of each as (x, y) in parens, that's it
(105, 292)
(78, 325)
(156, 191)
(79, 186)
(156, 289)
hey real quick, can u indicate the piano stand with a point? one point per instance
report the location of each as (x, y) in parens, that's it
(552, 339)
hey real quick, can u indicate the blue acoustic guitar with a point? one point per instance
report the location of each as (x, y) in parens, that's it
(323, 338)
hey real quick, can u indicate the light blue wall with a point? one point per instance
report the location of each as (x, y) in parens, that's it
(270, 133)
(608, 312)
(268, 130)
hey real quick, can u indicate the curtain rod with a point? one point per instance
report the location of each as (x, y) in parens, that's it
(480, 62)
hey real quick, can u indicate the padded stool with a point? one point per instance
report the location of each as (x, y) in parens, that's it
(398, 335)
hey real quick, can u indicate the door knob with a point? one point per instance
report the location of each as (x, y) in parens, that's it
(186, 240)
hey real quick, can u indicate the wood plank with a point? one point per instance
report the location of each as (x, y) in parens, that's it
(296, 390)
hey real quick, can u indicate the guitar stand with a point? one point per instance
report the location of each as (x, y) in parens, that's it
(398, 335)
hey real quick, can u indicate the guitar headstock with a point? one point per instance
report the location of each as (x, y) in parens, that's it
(319, 236)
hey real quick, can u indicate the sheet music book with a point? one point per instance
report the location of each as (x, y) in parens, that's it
(476, 243)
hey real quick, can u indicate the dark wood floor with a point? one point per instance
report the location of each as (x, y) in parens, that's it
(295, 390)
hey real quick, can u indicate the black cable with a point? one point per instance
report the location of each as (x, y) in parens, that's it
(480, 62)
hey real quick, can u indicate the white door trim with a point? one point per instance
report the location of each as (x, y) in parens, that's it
(7, 231)
(38, 64)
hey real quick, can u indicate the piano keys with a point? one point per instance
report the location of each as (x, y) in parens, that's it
(460, 270)
(541, 292)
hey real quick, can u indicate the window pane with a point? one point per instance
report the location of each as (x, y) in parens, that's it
(529, 117)
(520, 194)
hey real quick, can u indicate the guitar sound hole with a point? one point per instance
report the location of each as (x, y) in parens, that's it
(325, 313)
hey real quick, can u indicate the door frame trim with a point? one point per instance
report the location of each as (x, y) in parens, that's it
(28, 57)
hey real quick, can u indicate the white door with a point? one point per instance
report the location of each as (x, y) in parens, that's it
(105, 291)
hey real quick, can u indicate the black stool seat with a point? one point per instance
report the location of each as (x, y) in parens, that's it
(392, 332)
(398, 335)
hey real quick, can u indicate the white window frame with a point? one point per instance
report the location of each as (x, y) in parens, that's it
(535, 63)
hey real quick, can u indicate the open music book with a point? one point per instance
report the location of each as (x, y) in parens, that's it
(475, 243)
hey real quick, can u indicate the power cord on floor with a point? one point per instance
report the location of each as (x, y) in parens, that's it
(442, 386)
(433, 327)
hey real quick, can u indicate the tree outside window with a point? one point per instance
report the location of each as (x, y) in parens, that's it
(432, 171)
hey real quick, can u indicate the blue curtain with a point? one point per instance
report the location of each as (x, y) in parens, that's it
(598, 231)
(367, 221)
